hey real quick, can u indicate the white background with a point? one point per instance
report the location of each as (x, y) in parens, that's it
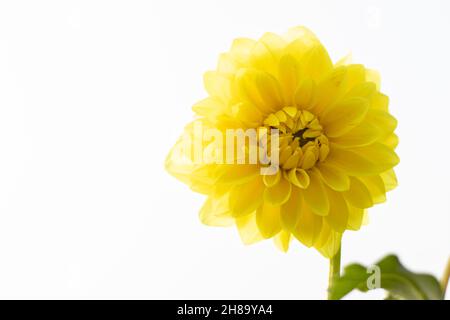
(94, 93)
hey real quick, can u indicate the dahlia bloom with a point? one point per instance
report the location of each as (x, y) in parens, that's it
(335, 144)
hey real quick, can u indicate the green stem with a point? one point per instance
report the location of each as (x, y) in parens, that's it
(444, 280)
(335, 270)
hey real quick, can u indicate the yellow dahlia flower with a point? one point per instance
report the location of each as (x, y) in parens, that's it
(334, 150)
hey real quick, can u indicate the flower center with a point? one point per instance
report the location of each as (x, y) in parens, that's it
(301, 138)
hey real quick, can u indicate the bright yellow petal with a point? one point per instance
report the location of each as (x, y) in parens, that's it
(337, 218)
(355, 218)
(361, 135)
(305, 94)
(236, 174)
(247, 197)
(330, 89)
(289, 78)
(316, 196)
(279, 193)
(370, 160)
(308, 227)
(316, 62)
(248, 229)
(329, 241)
(389, 179)
(268, 219)
(344, 116)
(358, 195)
(290, 211)
(334, 177)
(376, 188)
(259, 89)
(282, 240)
(299, 178)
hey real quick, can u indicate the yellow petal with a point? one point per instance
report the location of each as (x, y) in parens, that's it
(248, 229)
(259, 89)
(376, 187)
(302, 34)
(361, 135)
(305, 94)
(293, 160)
(334, 177)
(389, 179)
(380, 102)
(282, 240)
(209, 107)
(272, 179)
(216, 212)
(355, 218)
(308, 227)
(241, 49)
(384, 121)
(268, 219)
(217, 85)
(358, 195)
(289, 77)
(391, 141)
(248, 114)
(337, 218)
(344, 116)
(374, 77)
(316, 196)
(247, 197)
(235, 174)
(360, 161)
(279, 193)
(330, 89)
(290, 211)
(299, 178)
(316, 62)
(329, 241)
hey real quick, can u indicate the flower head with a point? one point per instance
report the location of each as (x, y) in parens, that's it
(323, 129)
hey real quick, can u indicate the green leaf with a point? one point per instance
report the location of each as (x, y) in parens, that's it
(399, 282)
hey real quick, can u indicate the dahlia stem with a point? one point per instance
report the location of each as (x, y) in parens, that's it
(335, 270)
(444, 281)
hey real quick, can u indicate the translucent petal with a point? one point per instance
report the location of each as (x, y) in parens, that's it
(268, 219)
(217, 85)
(358, 195)
(288, 77)
(248, 229)
(361, 135)
(308, 227)
(259, 89)
(344, 116)
(247, 197)
(333, 177)
(279, 193)
(389, 179)
(216, 212)
(282, 240)
(316, 196)
(329, 241)
(290, 211)
(337, 218)
(355, 218)
(376, 187)
(370, 160)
